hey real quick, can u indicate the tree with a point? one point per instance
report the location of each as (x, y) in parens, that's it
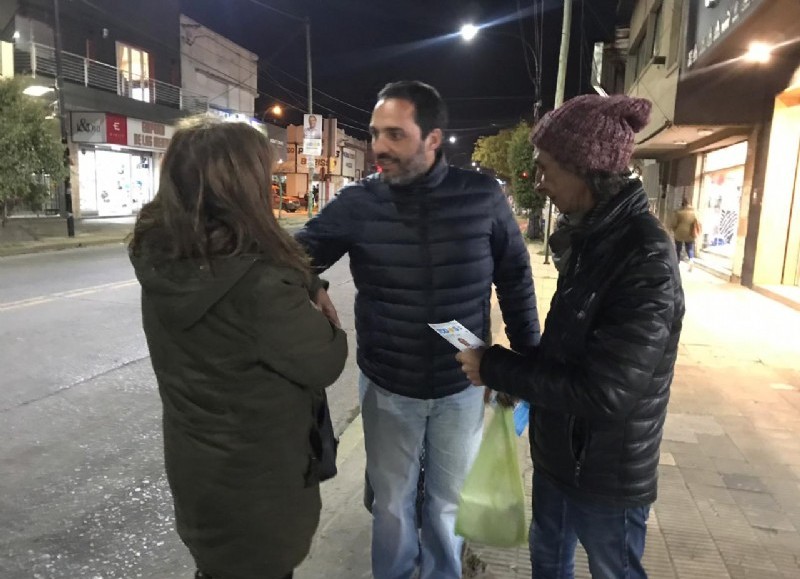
(492, 152)
(31, 154)
(523, 178)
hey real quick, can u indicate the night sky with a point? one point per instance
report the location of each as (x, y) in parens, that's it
(360, 45)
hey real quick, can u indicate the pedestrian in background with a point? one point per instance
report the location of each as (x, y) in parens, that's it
(599, 382)
(685, 229)
(426, 242)
(229, 322)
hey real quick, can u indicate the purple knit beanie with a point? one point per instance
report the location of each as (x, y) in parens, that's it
(593, 132)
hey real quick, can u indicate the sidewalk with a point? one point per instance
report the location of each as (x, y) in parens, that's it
(50, 233)
(729, 495)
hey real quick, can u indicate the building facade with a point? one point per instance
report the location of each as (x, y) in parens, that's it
(121, 90)
(344, 160)
(223, 72)
(723, 77)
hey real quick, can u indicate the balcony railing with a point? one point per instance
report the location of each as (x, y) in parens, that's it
(38, 59)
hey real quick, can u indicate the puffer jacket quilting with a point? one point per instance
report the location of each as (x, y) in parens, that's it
(426, 253)
(599, 383)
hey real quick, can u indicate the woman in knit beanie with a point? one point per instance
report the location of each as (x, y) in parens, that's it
(599, 382)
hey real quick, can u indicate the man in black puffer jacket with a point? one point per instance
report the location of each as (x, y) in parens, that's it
(599, 382)
(426, 242)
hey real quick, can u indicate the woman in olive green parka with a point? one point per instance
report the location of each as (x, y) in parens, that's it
(229, 321)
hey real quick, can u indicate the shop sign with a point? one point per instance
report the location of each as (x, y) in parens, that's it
(277, 138)
(359, 163)
(731, 156)
(149, 135)
(335, 164)
(709, 21)
(116, 129)
(320, 163)
(88, 127)
(348, 163)
(289, 165)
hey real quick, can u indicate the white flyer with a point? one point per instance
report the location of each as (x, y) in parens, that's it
(455, 333)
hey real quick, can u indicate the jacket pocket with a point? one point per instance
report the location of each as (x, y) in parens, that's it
(579, 436)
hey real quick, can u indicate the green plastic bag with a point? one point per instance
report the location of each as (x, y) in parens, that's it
(491, 510)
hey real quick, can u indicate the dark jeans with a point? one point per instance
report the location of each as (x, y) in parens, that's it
(689, 248)
(612, 536)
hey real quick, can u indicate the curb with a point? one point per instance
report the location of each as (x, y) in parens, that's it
(350, 438)
(10, 250)
(30, 247)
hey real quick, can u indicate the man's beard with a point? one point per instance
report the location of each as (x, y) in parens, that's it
(405, 171)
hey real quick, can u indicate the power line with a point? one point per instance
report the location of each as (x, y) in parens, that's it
(531, 75)
(277, 10)
(316, 90)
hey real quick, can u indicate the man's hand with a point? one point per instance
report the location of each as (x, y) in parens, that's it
(471, 364)
(324, 304)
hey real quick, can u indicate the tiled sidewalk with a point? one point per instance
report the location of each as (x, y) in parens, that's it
(729, 487)
(729, 495)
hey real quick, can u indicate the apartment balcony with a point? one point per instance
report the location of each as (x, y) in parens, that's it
(39, 60)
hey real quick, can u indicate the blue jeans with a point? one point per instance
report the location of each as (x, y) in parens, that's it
(612, 536)
(395, 429)
(689, 248)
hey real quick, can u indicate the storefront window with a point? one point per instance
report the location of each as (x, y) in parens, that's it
(115, 183)
(87, 182)
(720, 198)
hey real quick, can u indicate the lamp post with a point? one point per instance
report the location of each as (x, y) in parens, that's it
(62, 118)
(307, 24)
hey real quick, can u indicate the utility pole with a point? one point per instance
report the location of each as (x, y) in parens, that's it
(312, 167)
(561, 80)
(62, 118)
(307, 23)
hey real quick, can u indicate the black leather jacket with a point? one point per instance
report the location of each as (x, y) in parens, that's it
(599, 382)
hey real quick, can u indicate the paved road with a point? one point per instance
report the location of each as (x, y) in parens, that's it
(82, 490)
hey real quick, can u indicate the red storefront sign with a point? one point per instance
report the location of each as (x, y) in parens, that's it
(116, 129)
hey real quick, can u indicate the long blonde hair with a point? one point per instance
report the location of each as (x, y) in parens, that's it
(215, 198)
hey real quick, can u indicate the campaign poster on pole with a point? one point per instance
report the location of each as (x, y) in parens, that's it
(312, 135)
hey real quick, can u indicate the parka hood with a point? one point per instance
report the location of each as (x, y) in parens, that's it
(182, 291)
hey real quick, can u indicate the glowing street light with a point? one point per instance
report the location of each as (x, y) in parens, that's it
(452, 139)
(474, 164)
(37, 90)
(276, 110)
(469, 31)
(759, 52)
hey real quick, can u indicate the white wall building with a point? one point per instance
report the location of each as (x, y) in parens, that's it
(215, 67)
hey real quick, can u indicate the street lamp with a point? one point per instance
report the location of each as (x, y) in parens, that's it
(37, 90)
(469, 31)
(474, 164)
(307, 22)
(758, 52)
(276, 110)
(452, 139)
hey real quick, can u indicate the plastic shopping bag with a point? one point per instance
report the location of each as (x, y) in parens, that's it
(491, 510)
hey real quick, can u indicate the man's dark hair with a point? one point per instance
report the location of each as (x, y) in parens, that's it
(430, 112)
